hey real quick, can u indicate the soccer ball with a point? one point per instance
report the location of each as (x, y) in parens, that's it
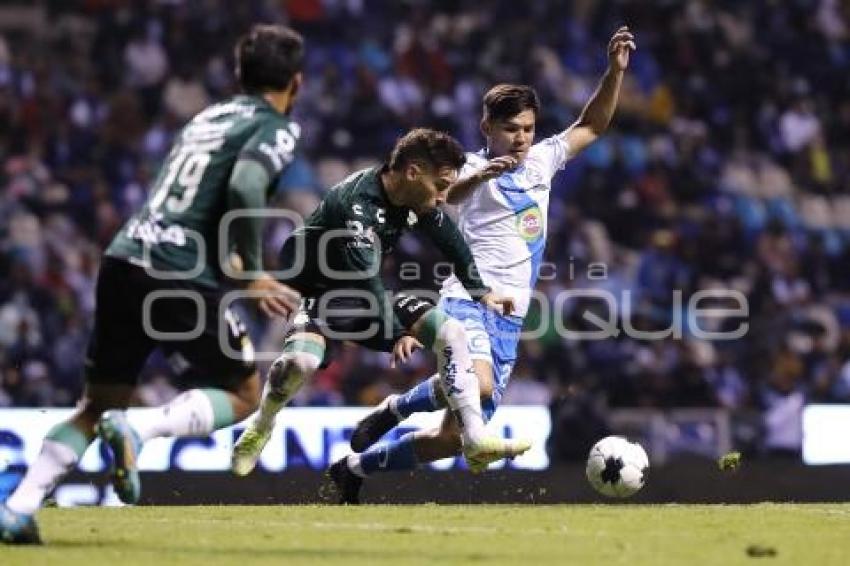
(617, 467)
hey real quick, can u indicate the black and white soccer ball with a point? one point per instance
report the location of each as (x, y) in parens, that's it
(617, 467)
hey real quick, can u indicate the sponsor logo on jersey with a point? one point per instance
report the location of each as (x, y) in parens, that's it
(529, 224)
(534, 177)
(152, 232)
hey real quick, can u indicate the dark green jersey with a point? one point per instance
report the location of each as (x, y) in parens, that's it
(360, 226)
(177, 230)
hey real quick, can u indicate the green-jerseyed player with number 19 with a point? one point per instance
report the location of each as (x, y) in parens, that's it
(162, 274)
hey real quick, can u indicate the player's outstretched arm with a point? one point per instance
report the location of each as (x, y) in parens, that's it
(463, 187)
(599, 110)
(443, 232)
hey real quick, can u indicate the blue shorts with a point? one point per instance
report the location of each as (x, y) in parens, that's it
(491, 337)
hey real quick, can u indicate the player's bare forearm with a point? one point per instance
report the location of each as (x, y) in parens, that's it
(463, 188)
(599, 110)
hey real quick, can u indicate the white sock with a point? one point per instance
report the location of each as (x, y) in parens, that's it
(458, 379)
(189, 414)
(286, 376)
(53, 462)
(353, 463)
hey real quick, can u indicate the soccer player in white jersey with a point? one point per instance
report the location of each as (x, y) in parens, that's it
(501, 199)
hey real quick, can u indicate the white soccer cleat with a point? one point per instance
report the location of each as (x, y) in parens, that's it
(247, 449)
(482, 453)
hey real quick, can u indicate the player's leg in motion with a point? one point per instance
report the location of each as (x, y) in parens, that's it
(412, 449)
(302, 356)
(116, 352)
(427, 396)
(196, 412)
(447, 338)
(229, 390)
(62, 448)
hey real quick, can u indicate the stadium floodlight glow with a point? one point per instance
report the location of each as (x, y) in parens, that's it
(825, 434)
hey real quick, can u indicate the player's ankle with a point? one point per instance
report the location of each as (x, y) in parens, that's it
(352, 462)
(392, 407)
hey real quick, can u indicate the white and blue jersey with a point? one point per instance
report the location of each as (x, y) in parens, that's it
(504, 223)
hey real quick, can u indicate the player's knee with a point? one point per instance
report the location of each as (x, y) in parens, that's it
(289, 371)
(249, 391)
(304, 364)
(486, 388)
(92, 406)
(96, 399)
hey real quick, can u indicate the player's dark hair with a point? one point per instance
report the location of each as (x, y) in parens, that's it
(267, 57)
(504, 101)
(430, 147)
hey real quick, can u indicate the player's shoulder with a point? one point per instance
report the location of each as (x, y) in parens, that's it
(360, 186)
(548, 155)
(546, 147)
(361, 180)
(475, 160)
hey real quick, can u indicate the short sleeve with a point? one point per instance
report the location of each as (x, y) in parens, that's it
(550, 154)
(474, 163)
(272, 146)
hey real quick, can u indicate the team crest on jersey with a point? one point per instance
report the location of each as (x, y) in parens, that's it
(534, 176)
(529, 224)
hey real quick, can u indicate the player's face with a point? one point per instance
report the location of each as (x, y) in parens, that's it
(513, 136)
(428, 186)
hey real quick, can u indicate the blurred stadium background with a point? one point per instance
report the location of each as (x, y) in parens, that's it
(727, 167)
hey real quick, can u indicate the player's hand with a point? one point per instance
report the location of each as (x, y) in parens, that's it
(496, 167)
(620, 47)
(403, 349)
(498, 303)
(274, 298)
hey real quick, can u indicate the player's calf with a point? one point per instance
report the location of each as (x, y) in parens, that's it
(447, 338)
(302, 356)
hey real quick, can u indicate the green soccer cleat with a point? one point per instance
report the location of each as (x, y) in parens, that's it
(16, 528)
(247, 449)
(125, 444)
(491, 449)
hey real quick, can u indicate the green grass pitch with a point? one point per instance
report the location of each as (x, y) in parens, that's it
(436, 534)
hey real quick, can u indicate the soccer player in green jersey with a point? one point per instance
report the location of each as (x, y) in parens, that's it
(335, 261)
(501, 199)
(160, 282)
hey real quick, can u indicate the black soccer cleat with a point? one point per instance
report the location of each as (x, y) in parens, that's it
(373, 426)
(342, 486)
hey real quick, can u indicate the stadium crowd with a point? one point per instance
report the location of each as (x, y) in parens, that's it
(728, 167)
